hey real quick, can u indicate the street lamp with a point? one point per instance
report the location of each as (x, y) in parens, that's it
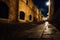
(47, 3)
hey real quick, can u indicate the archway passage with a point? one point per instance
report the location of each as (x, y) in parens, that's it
(30, 17)
(22, 15)
(4, 10)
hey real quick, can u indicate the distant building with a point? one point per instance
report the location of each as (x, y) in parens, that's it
(25, 13)
(37, 14)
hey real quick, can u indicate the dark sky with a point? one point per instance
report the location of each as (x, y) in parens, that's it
(42, 5)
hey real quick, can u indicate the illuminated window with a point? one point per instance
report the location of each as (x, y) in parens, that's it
(22, 15)
(4, 10)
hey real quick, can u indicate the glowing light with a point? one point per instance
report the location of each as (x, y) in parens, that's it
(47, 30)
(48, 3)
(45, 18)
(46, 25)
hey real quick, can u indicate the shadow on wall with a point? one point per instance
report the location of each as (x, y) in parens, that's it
(56, 18)
(56, 14)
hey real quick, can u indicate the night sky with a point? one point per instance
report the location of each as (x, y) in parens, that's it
(42, 5)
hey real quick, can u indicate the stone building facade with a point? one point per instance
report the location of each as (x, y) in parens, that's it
(11, 4)
(51, 10)
(21, 11)
(26, 8)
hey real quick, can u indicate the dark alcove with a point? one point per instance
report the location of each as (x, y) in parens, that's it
(4, 10)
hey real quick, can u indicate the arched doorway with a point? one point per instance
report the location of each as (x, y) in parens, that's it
(22, 15)
(30, 17)
(4, 10)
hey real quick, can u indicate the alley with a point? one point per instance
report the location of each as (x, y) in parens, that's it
(45, 30)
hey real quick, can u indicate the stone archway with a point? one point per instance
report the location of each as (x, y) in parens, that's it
(4, 10)
(30, 17)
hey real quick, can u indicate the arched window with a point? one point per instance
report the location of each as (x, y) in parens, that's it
(4, 10)
(30, 17)
(22, 15)
(26, 2)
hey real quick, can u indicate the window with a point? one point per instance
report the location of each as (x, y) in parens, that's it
(30, 17)
(22, 15)
(4, 10)
(26, 2)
